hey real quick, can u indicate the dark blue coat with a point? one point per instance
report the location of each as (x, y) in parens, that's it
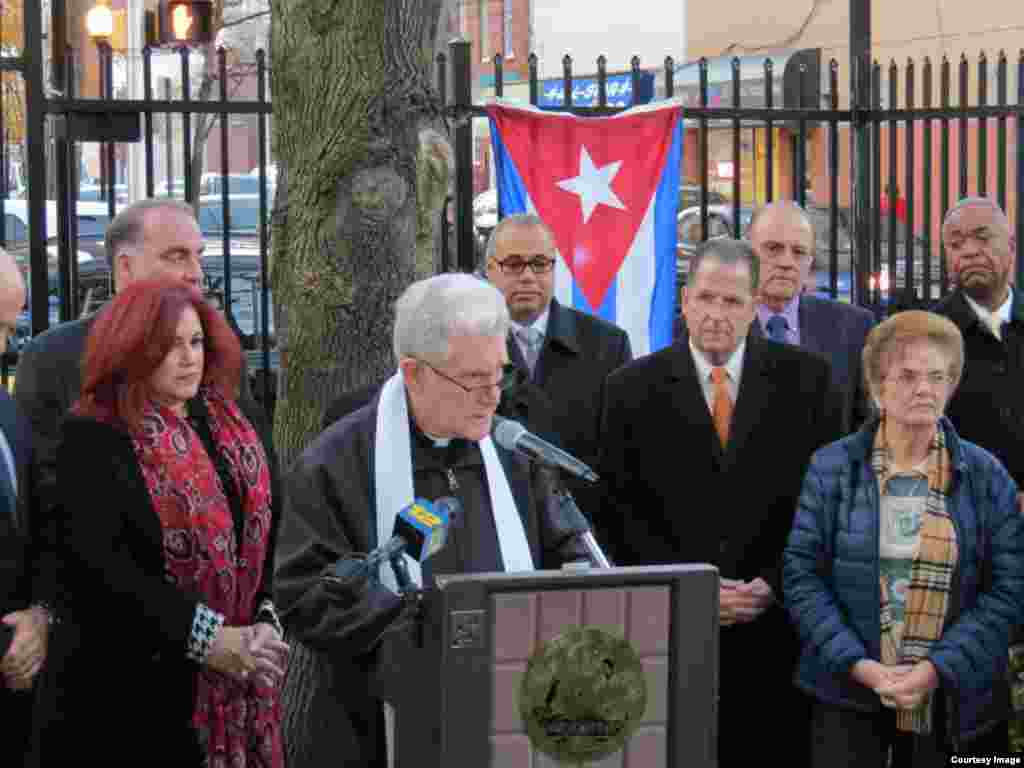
(831, 580)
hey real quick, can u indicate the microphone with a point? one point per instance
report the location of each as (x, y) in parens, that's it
(420, 530)
(568, 520)
(513, 436)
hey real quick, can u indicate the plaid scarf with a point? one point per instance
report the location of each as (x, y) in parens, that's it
(931, 573)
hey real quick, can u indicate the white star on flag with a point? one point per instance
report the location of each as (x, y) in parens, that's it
(593, 185)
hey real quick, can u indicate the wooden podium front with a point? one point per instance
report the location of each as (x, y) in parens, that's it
(455, 684)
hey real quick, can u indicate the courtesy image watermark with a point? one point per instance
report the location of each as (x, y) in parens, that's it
(986, 760)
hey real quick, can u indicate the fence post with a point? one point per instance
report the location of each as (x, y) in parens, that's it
(462, 97)
(35, 122)
(860, 141)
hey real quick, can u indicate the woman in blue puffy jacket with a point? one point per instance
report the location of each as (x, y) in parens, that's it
(904, 570)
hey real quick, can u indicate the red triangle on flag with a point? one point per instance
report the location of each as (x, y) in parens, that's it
(612, 191)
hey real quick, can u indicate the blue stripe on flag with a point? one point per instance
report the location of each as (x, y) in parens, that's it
(663, 303)
(511, 189)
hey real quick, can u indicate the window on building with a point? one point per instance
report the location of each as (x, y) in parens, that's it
(507, 29)
(485, 33)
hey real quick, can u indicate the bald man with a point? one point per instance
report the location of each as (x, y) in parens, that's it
(783, 238)
(28, 568)
(986, 408)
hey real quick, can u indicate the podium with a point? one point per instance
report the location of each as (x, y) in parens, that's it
(456, 681)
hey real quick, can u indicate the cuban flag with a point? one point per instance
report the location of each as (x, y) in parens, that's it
(608, 187)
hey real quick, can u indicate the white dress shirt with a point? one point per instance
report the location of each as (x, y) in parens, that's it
(993, 320)
(5, 447)
(733, 369)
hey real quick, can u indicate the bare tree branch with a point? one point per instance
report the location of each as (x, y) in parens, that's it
(243, 19)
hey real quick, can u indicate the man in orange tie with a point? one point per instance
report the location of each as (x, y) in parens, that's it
(705, 445)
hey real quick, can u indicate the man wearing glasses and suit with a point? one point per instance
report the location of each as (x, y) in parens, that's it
(565, 353)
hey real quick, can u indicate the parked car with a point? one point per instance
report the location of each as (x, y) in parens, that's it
(92, 220)
(238, 183)
(95, 193)
(485, 218)
(720, 224)
(176, 188)
(690, 196)
(688, 231)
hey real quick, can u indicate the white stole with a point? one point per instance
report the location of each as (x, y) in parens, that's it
(392, 469)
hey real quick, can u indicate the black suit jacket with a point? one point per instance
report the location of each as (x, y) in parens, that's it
(579, 352)
(986, 407)
(837, 331)
(20, 540)
(672, 495)
(28, 569)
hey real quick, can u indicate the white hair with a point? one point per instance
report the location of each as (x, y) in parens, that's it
(431, 311)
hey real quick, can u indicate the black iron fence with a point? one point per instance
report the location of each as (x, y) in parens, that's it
(928, 144)
(64, 259)
(972, 144)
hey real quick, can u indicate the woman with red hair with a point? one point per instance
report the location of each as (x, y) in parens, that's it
(166, 494)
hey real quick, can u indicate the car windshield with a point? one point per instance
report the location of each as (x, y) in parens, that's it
(94, 227)
(245, 215)
(246, 303)
(236, 185)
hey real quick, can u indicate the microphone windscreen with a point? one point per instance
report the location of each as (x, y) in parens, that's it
(453, 507)
(507, 432)
(424, 527)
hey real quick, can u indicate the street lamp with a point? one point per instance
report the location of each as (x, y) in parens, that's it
(99, 22)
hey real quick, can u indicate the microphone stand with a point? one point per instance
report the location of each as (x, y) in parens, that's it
(575, 518)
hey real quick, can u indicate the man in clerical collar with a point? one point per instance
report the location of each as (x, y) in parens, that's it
(425, 435)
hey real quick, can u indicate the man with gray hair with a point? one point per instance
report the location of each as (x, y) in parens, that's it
(783, 238)
(981, 252)
(425, 435)
(29, 590)
(705, 445)
(157, 238)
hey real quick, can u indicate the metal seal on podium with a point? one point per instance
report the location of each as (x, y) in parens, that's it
(583, 695)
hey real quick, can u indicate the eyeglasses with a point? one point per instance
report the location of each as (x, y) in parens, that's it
(913, 379)
(505, 382)
(516, 267)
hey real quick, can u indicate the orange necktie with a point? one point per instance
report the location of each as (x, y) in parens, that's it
(721, 412)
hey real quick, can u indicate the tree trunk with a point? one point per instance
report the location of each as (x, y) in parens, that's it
(352, 91)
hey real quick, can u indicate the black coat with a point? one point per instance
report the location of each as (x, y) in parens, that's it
(28, 570)
(49, 382)
(124, 660)
(579, 352)
(837, 331)
(329, 514)
(987, 408)
(674, 496)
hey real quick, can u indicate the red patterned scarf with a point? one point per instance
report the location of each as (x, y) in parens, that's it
(238, 723)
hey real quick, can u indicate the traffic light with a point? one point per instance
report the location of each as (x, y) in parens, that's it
(186, 22)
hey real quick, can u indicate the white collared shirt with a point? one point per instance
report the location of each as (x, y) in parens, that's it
(540, 325)
(1001, 315)
(5, 446)
(733, 368)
